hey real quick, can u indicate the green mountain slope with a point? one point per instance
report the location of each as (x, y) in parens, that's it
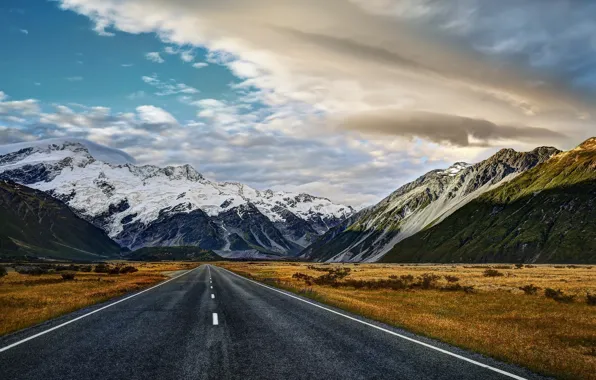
(174, 254)
(33, 223)
(547, 214)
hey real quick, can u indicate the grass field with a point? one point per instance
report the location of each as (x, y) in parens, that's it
(26, 300)
(488, 314)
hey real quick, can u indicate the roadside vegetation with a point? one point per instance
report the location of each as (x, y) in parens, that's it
(33, 293)
(540, 317)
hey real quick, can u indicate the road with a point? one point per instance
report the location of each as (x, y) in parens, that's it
(212, 324)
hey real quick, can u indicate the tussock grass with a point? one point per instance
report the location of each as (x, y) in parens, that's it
(505, 317)
(26, 300)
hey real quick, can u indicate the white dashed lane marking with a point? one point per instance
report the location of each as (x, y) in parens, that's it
(215, 319)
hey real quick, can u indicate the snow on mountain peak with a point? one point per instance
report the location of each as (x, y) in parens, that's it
(117, 195)
(99, 152)
(454, 169)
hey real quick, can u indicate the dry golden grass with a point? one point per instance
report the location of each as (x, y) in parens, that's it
(26, 300)
(498, 319)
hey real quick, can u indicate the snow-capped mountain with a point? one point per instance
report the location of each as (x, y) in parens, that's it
(420, 204)
(152, 206)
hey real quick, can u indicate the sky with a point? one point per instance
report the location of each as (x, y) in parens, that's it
(347, 99)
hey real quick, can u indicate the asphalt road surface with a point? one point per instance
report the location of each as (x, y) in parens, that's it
(212, 324)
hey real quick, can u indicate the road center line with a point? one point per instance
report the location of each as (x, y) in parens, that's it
(383, 329)
(212, 296)
(215, 319)
(92, 312)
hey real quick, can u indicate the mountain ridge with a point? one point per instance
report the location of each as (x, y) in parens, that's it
(425, 201)
(131, 203)
(32, 223)
(546, 214)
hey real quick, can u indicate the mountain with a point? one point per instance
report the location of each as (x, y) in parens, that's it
(420, 204)
(32, 223)
(144, 206)
(173, 254)
(545, 215)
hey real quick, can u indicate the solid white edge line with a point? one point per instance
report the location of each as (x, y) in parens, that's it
(384, 330)
(215, 319)
(92, 312)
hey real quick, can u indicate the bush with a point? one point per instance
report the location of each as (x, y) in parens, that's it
(31, 270)
(591, 299)
(85, 268)
(519, 266)
(451, 278)
(114, 270)
(301, 276)
(530, 289)
(558, 295)
(492, 273)
(101, 268)
(428, 280)
(452, 288)
(3, 271)
(70, 267)
(469, 289)
(68, 276)
(128, 269)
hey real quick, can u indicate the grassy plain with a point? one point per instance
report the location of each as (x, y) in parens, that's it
(490, 315)
(26, 300)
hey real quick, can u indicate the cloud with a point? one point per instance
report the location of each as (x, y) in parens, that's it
(155, 115)
(24, 31)
(13, 135)
(441, 128)
(74, 79)
(200, 65)
(154, 57)
(328, 84)
(170, 87)
(136, 95)
(187, 56)
(127, 65)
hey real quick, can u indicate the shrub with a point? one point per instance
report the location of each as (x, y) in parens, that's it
(31, 270)
(451, 278)
(70, 267)
(519, 266)
(529, 289)
(3, 271)
(301, 276)
(558, 295)
(128, 269)
(469, 289)
(452, 288)
(68, 276)
(428, 280)
(86, 268)
(101, 268)
(591, 299)
(492, 273)
(501, 267)
(114, 270)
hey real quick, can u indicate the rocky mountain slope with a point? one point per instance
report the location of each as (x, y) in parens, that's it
(32, 223)
(420, 204)
(547, 214)
(141, 206)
